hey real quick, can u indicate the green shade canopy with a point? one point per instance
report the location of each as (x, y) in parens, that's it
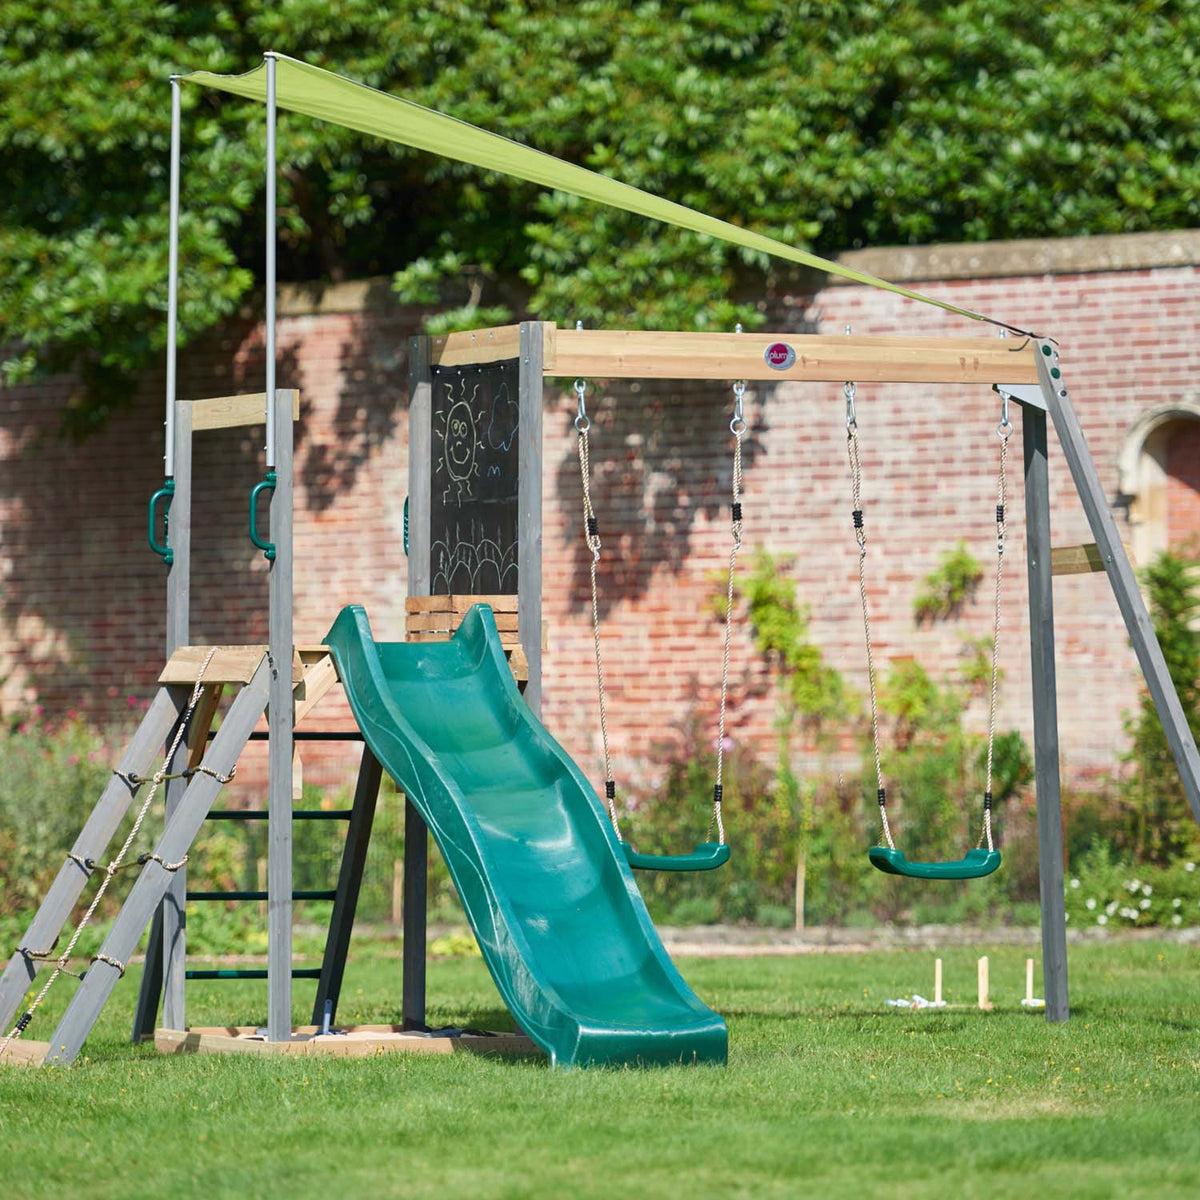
(306, 89)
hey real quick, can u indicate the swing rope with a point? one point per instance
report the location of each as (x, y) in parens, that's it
(61, 965)
(1004, 431)
(737, 426)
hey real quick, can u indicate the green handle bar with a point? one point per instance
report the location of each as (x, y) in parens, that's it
(705, 857)
(164, 493)
(975, 864)
(267, 485)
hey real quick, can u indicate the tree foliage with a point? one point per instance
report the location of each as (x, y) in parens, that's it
(825, 122)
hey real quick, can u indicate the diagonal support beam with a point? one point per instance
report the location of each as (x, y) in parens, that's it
(140, 758)
(154, 880)
(1120, 572)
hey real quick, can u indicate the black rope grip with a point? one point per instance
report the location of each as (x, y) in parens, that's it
(593, 527)
(858, 518)
(987, 801)
(882, 796)
(610, 789)
(23, 1023)
(999, 514)
(718, 793)
(737, 511)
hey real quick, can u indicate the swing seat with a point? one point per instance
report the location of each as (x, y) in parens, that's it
(975, 864)
(705, 857)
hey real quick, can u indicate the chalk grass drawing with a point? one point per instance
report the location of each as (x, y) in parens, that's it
(456, 428)
(472, 565)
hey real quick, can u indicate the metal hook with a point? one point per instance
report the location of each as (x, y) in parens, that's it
(1005, 427)
(849, 391)
(582, 423)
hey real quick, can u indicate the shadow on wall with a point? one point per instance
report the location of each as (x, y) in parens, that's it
(646, 490)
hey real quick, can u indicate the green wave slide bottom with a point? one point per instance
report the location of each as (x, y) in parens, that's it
(555, 909)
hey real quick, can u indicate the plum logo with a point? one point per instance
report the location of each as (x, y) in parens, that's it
(779, 356)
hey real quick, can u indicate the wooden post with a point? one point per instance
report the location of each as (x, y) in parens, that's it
(529, 504)
(179, 585)
(397, 892)
(416, 868)
(1045, 714)
(937, 981)
(985, 1003)
(281, 746)
(354, 858)
(1029, 981)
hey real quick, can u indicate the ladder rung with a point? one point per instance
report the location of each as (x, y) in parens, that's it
(306, 735)
(251, 973)
(262, 814)
(317, 895)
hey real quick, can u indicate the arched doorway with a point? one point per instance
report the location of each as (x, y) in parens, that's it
(1159, 474)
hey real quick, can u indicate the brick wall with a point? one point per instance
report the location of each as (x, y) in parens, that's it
(81, 624)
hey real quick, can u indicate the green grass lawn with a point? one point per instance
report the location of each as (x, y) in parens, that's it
(826, 1094)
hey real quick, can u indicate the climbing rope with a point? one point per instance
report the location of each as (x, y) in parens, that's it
(63, 960)
(737, 426)
(1004, 431)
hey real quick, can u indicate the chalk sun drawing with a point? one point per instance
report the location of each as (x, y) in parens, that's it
(456, 427)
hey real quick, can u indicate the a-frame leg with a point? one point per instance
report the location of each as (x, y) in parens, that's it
(416, 917)
(354, 857)
(168, 931)
(1120, 573)
(151, 886)
(1045, 714)
(140, 757)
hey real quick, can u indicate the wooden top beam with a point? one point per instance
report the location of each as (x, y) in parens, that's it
(475, 346)
(231, 412)
(636, 354)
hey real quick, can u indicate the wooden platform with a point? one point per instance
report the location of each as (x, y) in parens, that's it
(352, 1041)
(24, 1052)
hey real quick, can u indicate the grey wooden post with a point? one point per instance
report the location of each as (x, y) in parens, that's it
(416, 875)
(416, 836)
(141, 756)
(529, 507)
(280, 724)
(354, 858)
(179, 588)
(1045, 715)
(147, 892)
(1120, 573)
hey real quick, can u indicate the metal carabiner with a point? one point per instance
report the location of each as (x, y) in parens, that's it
(1005, 428)
(849, 391)
(582, 423)
(738, 425)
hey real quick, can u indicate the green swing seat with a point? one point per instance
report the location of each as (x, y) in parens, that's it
(975, 864)
(705, 857)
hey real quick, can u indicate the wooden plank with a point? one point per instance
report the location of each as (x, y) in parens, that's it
(230, 664)
(354, 1041)
(1045, 713)
(459, 604)
(151, 885)
(141, 756)
(1122, 578)
(475, 346)
(233, 412)
(319, 677)
(354, 859)
(507, 640)
(280, 725)
(637, 354)
(529, 521)
(1080, 560)
(422, 622)
(518, 664)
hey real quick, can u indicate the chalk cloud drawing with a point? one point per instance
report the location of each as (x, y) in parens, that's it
(456, 428)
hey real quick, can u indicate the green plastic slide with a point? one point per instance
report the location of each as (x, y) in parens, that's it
(558, 917)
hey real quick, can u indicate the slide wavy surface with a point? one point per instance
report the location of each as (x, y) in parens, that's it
(557, 914)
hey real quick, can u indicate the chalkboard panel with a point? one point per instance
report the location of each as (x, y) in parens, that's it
(474, 478)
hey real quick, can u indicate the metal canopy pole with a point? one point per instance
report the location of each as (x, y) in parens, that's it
(281, 716)
(172, 281)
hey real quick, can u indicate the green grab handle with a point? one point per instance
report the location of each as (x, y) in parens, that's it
(975, 864)
(267, 485)
(405, 526)
(166, 492)
(707, 856)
